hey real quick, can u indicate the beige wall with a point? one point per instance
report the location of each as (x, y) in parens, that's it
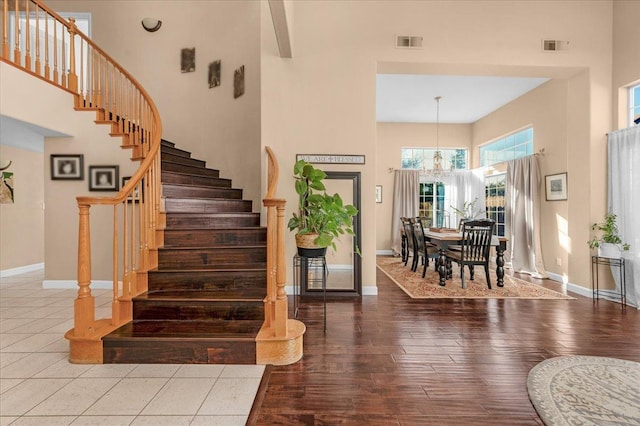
(323, 100)
(22, 223)
(391, 138)
(215, 127)
(626, 60)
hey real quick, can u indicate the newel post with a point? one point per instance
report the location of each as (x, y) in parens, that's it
(73, 77)
(84, 305)
(282, 307)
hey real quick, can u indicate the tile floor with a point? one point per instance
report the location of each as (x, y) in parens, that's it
(38, 385)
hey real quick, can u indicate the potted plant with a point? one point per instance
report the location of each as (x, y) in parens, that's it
(321, 217)
(469, 211)
(608, 243)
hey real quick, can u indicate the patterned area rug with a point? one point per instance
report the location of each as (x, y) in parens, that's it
(417, 287)
(586, 390)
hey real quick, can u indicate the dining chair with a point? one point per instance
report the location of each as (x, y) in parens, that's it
(424, 248)
(408, 241)
(475, 248)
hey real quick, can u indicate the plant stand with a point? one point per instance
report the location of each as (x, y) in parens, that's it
(309, 272)
(595, 285)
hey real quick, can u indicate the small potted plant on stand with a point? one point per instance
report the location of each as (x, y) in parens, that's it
(321, 217)
(608, 243)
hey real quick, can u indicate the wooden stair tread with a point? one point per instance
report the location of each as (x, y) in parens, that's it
(225, 248)
(197, 186)
(203, 295)
(236, 268)
(223, 267)
(179, 330)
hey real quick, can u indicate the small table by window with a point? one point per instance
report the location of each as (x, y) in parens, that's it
(596, 261)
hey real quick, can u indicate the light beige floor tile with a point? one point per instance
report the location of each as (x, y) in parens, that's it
(6, 384)
(230, 397)
(23, 397)
(219, 420)
(154, 370)
(59, 345)
(180, 396)
(38, 325)
(44, 420)
(9, 358)
(6, 420)
(74, 398)
(8, 339)
(31, 364)
(61, 327)
(109, 370)
(199, 370)
(247, 371)
(32, 343)
(103, 421)
(10, 324)
(128, 397)
(162, 421)
(64, 369)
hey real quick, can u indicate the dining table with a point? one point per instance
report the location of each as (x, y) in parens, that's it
(443, 238)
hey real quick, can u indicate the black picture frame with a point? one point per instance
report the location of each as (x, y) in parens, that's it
(556, 187)
(67, 167)
(104, 178)
(136, 196)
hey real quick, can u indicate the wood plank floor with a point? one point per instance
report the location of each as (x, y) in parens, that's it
(391, 360)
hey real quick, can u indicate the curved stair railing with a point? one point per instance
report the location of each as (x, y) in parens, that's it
(42, 43)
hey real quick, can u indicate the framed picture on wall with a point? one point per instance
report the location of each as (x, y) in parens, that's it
(556, 187)
(103, 178)
(67, 167)
(135, 196)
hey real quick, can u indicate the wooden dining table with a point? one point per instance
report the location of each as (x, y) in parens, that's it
(445, 239)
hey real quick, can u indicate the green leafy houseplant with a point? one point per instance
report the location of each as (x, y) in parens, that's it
(609, 233)
(323, 216)
(469, 210)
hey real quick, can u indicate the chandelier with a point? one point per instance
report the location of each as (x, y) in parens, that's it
(437, 173)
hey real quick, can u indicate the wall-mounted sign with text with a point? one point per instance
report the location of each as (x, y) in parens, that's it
(331, 158)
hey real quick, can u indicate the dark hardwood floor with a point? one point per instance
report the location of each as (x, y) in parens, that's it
(391, 360)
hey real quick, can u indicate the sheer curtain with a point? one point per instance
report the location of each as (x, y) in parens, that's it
(522, 217)
(465, 186)
(624, 201)
(406, 202)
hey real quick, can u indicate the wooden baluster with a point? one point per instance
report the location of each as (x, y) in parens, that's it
(5, 29)
(82, 89)
(55, 51)
(84, 305)
(126, 279)
(38, 63)
(27, 49)
(115, 306)
(73, 77)
(47, 68)
(16, 33)
(63, 60)
(282, 309)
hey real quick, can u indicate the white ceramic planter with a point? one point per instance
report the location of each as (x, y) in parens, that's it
(612, 251)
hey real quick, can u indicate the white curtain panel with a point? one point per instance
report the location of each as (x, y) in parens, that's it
(624, 201)
(465, 186)
(406, 202)
(522, 217)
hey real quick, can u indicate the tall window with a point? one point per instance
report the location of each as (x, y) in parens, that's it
(634, 105)
(422, 158)
(494, 189)
(432, 204)
(515, 145)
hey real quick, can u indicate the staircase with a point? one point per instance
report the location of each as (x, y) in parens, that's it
(205, 300)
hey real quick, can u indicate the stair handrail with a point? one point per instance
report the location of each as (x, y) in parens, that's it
(98, 83)
(276, 304)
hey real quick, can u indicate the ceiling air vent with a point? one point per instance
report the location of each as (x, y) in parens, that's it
(554, 45)
(409, 42)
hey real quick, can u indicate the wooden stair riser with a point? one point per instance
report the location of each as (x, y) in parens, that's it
(197, 310)
(166, 143)
(192, 205)
(179, 351)
(211, 257)
(207, 280)
(185, 161)
(168, 166)
(186, 191)
(174, 151)
(186, 179)
(211, 220)
(215, 237)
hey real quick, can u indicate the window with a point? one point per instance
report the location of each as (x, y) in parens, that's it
(494, 190)
(515, 145)
(432, 204)
(634, 105)
(422, 158)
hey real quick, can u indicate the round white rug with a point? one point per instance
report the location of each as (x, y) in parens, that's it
(586, 390)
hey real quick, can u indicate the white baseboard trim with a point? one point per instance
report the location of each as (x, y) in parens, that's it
(384, 252)
(337, 267)
(73, 285)
(21, 270)
(574, 288)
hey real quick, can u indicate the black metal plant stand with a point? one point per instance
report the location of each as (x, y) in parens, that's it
(308, 272)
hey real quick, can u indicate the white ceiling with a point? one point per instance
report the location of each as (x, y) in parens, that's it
(410, 98)
(20, 134)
